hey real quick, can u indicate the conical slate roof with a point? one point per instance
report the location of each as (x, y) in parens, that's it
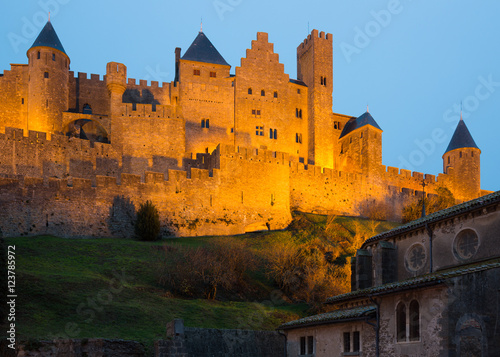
(356, 123)
(202, 50)
(461, 138)
(48, 38)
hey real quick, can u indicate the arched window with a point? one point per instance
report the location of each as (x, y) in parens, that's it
(87, 109)
(263, 92)
(249, 90)
(414, 321)
(202, 123)
(401, 322)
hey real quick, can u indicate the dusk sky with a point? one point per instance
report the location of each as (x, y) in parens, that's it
(412, 62)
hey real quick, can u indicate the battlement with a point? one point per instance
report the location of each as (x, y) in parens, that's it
(315, 35)
(143, 84)
(147, 110)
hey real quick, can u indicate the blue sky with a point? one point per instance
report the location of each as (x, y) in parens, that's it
(413, 62)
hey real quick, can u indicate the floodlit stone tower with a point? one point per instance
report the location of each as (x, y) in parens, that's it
(116, 82)
(48, 67)
(315, 68)
(462, 162)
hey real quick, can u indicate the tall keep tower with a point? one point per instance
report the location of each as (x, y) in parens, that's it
(48, 92)
(315, 69)
(462, 162)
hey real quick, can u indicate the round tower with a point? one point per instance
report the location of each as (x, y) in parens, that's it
(48, 92)
(461, 162)
(116, 82)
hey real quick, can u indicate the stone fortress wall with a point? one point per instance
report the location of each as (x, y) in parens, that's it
(217, 153)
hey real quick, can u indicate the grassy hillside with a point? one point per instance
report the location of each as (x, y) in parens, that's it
(83, 288)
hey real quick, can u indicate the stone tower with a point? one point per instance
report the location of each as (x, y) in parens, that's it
(315, 69)
(116, 82)
(462, 162)
(48, 92)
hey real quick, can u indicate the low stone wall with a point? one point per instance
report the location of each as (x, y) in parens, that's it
(200, 342)
(81, 348)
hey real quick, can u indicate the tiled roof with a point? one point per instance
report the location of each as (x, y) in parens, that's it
(356, 123)
(48, 38)
(296, 81)
(423, 280)
(437, 216)
(202, 50)
(461, 138)
(330, 317)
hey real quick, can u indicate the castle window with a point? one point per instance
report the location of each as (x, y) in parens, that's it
(253, 111)
(275, 94)
(38, 55)
(263, 92)
(324, 81)
(259, 130)
(202, 123)
(414, 321)
(401, 322)
(213, 74)
(258, 111)
(46, 75)
(448, 160)
(321, 80)
(350, 140)
(275, 134)
(87, 109)
(335, 125)
(22, 100)
(361, 134)
(298, 138)
(270, 133)
(249, 90)
(196, 72)
(472, 154)
(207, 123)
(298, 91)
(300, 113)
(53, 57)
(460, 154)
(296, 112)
(355, 341)
(134, 106)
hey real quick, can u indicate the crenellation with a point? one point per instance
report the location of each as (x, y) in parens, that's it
(418, 176)
(130, 180)
(37, 136)
(106, 181)
(154, 177)
(131, 82)
(81, 184)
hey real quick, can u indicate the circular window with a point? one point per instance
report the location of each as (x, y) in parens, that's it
(415, 257)
(466, 244)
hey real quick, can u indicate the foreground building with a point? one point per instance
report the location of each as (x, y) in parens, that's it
(217, 153)
(427, 288)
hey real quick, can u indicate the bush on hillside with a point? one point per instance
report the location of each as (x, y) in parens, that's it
(147, 224)
(443, 199)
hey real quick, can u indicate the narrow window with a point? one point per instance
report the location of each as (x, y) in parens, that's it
(275, 134)
(300, 113)
(270, 133)
(275, 94)
(22, 100)
(321, 80)
(38, 55)
(249, 90)
(448, 160)
(355, 341)
(297, 137)
(253, 111)
(196, 72)
(134, 106)
(296, 112)
(258, 111)
(47, 103)
(53, 57)
(263, 92)
(347, 342)
(46, 75)
(324, 81)
(213, 74)
(302, 345)
(401, 322)
(361, 134)
(335, 125)
(207, 123)
(472, 154)
(350, 140)
(298, 91)
(202, 123)
(414, 321)
(460, 154)
(310, 345)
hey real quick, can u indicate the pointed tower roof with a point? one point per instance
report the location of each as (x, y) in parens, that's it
(356, 123)
(461, 138)
(48, 38)
(202, 50)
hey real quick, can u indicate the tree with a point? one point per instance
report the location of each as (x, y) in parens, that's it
(443, 199)
(147, 224)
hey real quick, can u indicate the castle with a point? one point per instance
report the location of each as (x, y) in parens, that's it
(218, 153)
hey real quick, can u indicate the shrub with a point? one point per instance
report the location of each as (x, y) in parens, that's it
(147, 224)
(443, 199)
